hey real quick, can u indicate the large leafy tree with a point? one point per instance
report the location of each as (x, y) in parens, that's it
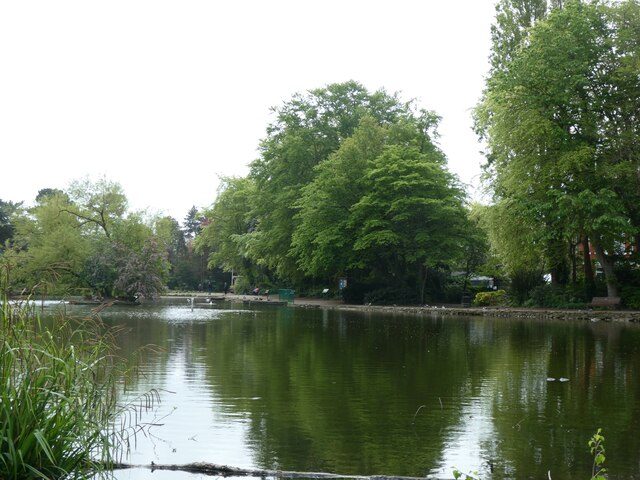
(323, 239)
(84, 240)
(511, 27)
(412, 218)
(97, 205)
(50, 245)
(382, 209)
(307, 129)
(561, 125)
(7, 229)
(229, 220)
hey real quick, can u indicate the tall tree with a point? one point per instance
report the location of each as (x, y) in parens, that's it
(229, 220)
(52, 248)
(7, 210)
(323, 239)
(307, 129)
(97, 205)
(192, 223)
(411, 219)
(513, 20)
(560, 128)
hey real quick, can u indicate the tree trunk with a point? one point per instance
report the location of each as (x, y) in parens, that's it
(607, 266)
(574, 262)
(589, 280)
(423, 283)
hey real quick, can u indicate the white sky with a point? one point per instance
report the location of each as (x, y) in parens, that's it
(163, 96)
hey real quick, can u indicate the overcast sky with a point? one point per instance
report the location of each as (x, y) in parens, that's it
(164, 96)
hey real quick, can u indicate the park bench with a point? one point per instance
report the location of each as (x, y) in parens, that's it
(605, 302)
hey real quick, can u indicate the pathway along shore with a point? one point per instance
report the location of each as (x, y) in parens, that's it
(592, 315)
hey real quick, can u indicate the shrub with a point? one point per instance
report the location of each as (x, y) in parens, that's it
(556, 296)
(391, 296)
(491, 299)
(630, 297)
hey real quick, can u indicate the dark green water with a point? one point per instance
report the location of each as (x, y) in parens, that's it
(355, 393)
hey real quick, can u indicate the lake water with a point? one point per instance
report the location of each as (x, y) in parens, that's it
(377, 394)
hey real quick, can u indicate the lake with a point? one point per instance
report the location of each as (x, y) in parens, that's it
(363, 393)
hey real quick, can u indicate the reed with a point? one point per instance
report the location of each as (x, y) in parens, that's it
(59, 386)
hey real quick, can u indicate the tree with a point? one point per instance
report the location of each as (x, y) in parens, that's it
(142, 273)
(323, 241)
(229, 219)
(561, 132)
(306, 131)
(192, 224)
(51, 246)
(411, 219)
(168, 231)
(513, 20)
(97, 205)
(131, 262)
(7, 210)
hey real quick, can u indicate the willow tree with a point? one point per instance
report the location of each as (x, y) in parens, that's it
(50, 246)
(561, 127)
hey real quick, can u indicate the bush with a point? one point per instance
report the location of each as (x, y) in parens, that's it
(556, 296)
(391, 296)
(522, 282)
(491, 299)
(630, 297)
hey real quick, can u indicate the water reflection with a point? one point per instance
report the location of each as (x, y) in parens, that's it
(314, 390)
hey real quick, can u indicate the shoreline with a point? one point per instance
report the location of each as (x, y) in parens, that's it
(604, 315)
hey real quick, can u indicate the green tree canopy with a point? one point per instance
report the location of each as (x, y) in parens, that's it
(307, 129)
(229, 220)
(562, 130)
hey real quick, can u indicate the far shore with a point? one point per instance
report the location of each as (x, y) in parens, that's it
(592, 315)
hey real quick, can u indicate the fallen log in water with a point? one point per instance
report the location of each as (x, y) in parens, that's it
(226, 471)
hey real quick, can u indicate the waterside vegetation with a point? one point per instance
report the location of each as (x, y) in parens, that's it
(61, 411)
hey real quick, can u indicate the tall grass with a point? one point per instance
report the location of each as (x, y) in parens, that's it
(59, 412)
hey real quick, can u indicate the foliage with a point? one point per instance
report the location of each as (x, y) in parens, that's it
(457, 474)
(81, 240)
(349, 184)
(596, 447)
(560, 119)
(306, 131)
(556, 296)
(97, 205)
(228, 220)
(391, 296)
(7, 210)
(411, 218)
(142, 273)
(192, 223)
(630, 296)
(322, 243)
(523, 282)
(58, 401)
(49, 244)
(497, 298)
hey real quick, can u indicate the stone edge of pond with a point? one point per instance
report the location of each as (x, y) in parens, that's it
(536, 314)
(592, 315)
